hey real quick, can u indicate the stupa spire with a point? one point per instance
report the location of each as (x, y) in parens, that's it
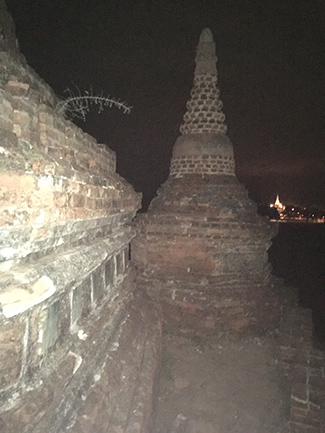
(202, 230)
(204, 148)
(204, 109)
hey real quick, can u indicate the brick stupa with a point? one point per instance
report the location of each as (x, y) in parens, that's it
(202, 248)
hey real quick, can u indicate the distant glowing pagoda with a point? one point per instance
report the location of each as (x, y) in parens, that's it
(278, 205)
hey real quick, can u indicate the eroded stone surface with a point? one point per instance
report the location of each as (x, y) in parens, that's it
(15, 301)
(11, 351)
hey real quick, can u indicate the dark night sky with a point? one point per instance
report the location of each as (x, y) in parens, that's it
(271, 63)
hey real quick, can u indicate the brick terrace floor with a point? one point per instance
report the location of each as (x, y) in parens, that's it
(220, 385)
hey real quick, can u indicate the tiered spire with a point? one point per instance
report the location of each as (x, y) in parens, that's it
(204, 109)
(204, 148)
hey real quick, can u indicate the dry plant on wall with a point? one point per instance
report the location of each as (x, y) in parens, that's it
(77, 105)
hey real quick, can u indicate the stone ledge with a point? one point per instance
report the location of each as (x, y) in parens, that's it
(16, 300)
(51, 274)
(76, 338)
(105, 393)
(19, 244)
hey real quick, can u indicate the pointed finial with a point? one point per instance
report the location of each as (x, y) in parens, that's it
(206, 35)
(206, 54)
(7, 29)
(204, 109)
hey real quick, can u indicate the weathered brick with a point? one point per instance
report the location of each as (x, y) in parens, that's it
(11, 351)
(298, 414)
(21, 118)
(296, 427)
(90, 203)
(12, 182)
(46, 198)
(59, 199)
(315, 418)
(300, 374)
(317, 397)
(6, 124)
(299, 393)
(77, 200)
(316, 362)
(81, 213)
(317, 383)
(17, 88)
(46, 118)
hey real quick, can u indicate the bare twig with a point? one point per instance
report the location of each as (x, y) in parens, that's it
(78, 105)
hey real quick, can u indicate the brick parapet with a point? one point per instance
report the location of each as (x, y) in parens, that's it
(42, 133)
(304, 365)
(68, 312)
(51, 173)
(307, 411)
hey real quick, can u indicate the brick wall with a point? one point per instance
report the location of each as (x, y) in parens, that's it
(69, 313)
(201, 251)
(304, 364)
(202, 164)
